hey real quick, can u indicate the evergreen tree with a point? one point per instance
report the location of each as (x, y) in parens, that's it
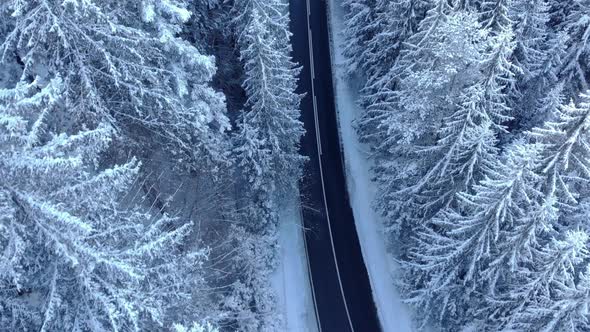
(75, 254)
(554, 297)
(545, 268)
(396, 21)
(466, 147)
(122, 60)
(361, 27)
(458, 245)
(575, 62)
(416, 60)
(273, 14)
(266, 148)
(495, 15)
(498, 75)
(271, 129)
(539, 89)
(465, 152)
(565, 161)
(402, 120)
(530, 30)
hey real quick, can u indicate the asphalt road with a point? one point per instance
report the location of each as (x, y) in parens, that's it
(341, 287)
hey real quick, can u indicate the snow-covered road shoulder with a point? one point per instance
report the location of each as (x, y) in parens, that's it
(393, 314)
(291, 279)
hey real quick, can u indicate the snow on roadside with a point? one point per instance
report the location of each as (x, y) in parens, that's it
(291, 279)
(394, 315)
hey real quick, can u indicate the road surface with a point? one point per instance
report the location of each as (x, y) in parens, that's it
(340, 284)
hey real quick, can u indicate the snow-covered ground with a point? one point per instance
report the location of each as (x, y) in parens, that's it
(394, 315)
(291, 279)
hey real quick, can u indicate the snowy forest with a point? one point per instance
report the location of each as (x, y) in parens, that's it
(477, 115)
(145, 146)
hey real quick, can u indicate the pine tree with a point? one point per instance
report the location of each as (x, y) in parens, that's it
(552, 297)
(121, 60)
(498, 75)
(75, 256)
(271, 125)
(273, 14)
(418, 45)
(530, 29)
(566, 158)
(546, 107)
(361, 27)
(575, 62)
(401, 121)
(465, 196)
(266, 148)
(396, 21)
(539, 86)
(530, 266)
(489, 216)
(465, 153)
(466, 147)
(495, 15)
(405, 85)
(455, 249)
(382, 98)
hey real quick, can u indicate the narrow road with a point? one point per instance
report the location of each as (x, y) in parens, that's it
(341, 287)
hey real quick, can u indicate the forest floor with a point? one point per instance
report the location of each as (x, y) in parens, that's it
(291, 279)
(394, 315)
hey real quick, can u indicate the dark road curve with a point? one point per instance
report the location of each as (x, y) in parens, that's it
(342, 291)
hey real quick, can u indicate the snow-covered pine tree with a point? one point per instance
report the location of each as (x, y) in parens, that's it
(122, 60)
(531, 32)
(468, 216)
(530, 29)
(545, 107)
(401, 122)
(565, 162)
(273, 14)
(465, 149)
(417, 47)
(457, 245)
(361, 27)
(539, 85)
(409, 92)
(554, 52)
(498, 75)
(574, 69)
(495, 15)
(463, 154)
(271, 129)
(75, 254)
(554, 294)
(381, 98)
(508, 243)
(528, 266)
(396, 21)
(266, 148)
